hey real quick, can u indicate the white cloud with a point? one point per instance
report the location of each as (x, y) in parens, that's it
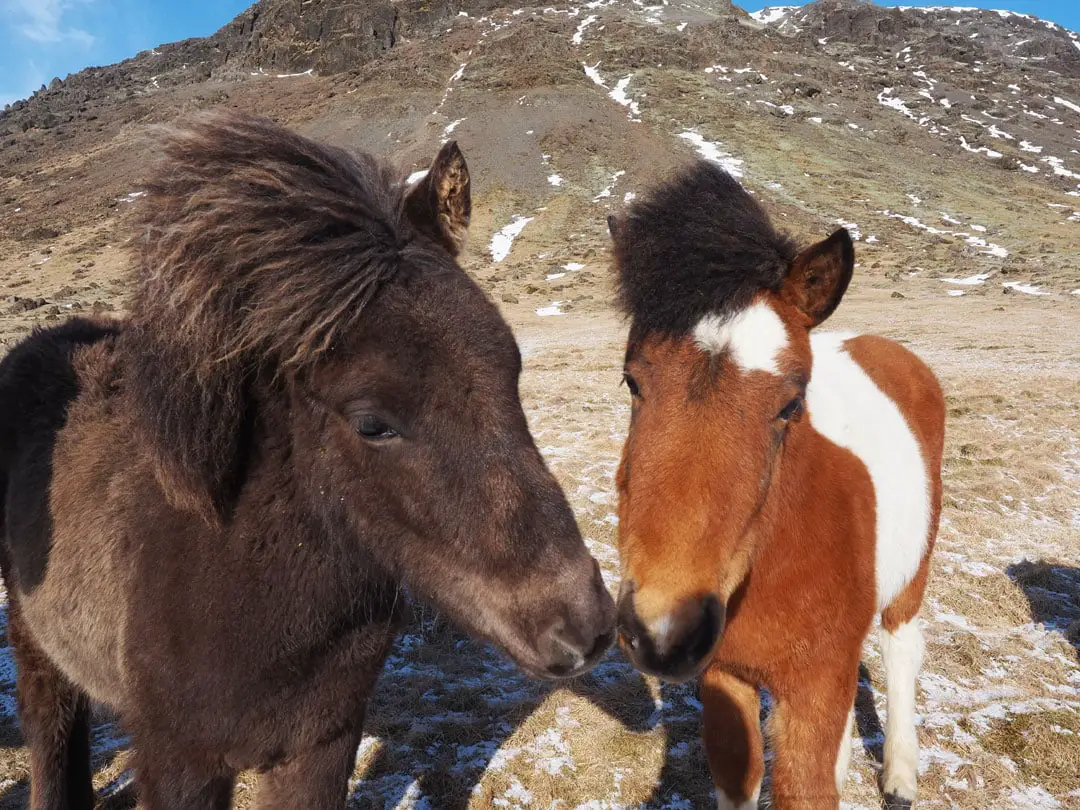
(43, 20)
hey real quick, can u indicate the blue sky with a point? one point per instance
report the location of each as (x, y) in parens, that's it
(40, 39)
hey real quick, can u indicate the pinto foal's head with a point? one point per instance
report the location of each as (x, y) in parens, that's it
(303, 304)
(717, 363)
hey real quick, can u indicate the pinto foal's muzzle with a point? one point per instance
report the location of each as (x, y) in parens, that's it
(677, 647)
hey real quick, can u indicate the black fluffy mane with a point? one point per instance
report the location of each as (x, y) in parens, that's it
(698, 244)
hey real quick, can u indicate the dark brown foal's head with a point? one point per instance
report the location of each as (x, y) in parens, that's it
(717, 364)
(294, 290)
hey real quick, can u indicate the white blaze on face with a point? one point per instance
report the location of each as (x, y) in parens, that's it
(754, 337)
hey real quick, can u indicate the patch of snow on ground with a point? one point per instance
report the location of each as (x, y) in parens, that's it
(1057, 164)
(1023, 287)
(594, 74)
(572, 266)
(955, 292)
(554, 276)
(771, 14)
(132, 197)
(552, 309)
(449, 129)
(580, 32)
(618, 95)
(606, 191)
(504, 239)
(555, 180)
(886, 99)
(711, 152)
(970, 280)
(990, 153)
(988, 248)
(1066, 103)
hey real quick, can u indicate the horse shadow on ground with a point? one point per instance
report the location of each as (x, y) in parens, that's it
(1053, 591)
(450, 713)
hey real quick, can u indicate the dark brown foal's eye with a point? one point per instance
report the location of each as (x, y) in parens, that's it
(631, 384)
(791, 411)
(374, 429)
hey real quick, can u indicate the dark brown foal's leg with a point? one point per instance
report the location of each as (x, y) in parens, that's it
(166, 781)
(316, 779)
(55, 720)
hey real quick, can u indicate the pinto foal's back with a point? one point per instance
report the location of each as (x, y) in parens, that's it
(777, 490)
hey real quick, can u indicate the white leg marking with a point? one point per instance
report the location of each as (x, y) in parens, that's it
(724, 803)
(843, 756)
(902, 653)
(755, 337)
(848, 409)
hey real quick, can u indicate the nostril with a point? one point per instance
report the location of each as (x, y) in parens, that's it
(567, 658)
(705, 635)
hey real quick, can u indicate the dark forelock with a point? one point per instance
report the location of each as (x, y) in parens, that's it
(697, 244)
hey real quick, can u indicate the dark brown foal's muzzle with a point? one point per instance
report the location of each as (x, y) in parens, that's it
(583, 631)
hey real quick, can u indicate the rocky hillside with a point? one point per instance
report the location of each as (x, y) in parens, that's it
(947, 138)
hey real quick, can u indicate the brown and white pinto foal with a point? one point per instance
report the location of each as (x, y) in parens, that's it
(777, 489)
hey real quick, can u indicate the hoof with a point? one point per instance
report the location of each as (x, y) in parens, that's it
(894, 802)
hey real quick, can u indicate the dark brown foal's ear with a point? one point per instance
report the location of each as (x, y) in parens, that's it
(440, 204)
(819, 276)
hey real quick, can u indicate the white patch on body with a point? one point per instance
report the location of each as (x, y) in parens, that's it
(755, 337)
(724, 803)
(843, 756)
(848, 409)
(902, 654)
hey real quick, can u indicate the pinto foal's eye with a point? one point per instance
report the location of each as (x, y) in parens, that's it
(632, 385)
(791, 410)
(374, 429)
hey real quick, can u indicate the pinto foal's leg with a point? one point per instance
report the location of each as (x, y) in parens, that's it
(733, 739)
(843, 756)
(902, 653)
(55, 720)
(806, 730)
(316, 779)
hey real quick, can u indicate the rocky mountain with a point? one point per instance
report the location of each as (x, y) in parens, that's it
(948, 138)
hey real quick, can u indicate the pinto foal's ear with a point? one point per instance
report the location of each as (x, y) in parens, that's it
(440, 204)
(819, 276)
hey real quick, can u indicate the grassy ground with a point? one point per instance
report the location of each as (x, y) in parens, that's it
(456, 726)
